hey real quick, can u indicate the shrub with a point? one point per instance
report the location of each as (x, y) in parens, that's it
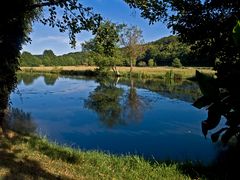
(176, 63)
(151, 63)
(142, 64)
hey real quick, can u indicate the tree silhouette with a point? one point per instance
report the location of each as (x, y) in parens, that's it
(210, 26)
(16, 20)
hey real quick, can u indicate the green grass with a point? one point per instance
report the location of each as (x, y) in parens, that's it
(25, 157)
(138, 72)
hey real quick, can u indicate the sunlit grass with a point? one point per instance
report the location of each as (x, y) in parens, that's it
(36, 158)
(138, 72)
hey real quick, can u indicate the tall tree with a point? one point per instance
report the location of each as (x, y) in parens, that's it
(48, 57)
(131, 38)
(16, 20)
(105, 46)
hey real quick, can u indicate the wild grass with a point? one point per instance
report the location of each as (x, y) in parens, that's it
(138, 72)
(25, 157)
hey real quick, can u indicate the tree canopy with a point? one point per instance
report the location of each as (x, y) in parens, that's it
(131, 38)
(162, 52)
(206, 24)
(104, 46)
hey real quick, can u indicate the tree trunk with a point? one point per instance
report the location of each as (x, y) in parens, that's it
(8, 68)
(131, 66)
(4, 97)
(116, 72)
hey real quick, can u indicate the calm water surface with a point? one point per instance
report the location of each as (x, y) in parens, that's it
(149, 118)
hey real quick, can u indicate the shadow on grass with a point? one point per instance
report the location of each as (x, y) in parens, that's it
(53, 150)
(20, 168)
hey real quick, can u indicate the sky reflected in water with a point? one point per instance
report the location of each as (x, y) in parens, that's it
(116, 118)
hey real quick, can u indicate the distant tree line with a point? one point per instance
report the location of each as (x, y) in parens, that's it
(48, 58)
(163, 52)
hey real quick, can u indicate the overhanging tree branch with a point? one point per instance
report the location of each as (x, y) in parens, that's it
(44, 4)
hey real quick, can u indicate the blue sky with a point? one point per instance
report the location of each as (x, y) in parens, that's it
(44, 37)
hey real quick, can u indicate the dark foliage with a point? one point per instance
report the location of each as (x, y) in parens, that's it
(206, 25)
(16, 20)
(220, 100)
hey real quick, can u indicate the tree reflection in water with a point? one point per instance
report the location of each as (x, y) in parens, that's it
(105, 101)
(112, 106)
(11, 118)
(20, 121)
(29, 78)
(134, 106)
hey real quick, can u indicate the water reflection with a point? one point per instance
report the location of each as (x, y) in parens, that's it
(113, 106)
(29, 78)
(184, 90)
(134, 106)
(105, 100)
(118, 115)
(50, 79)
(173, 88)
(20, 121)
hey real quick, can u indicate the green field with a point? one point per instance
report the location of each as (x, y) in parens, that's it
(141, 72)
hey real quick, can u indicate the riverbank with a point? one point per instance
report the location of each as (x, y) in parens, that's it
(25, 157)
(138, 72)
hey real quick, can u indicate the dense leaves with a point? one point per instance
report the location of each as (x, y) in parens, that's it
(165, 50)
(104, 46)
(207, 25)
(176, 63)
(236, 34)
(158, 53)
(131, 39)
(220, 102)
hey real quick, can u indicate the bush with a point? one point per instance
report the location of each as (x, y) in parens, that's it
(142, 64)
(151, 63)
(176, 63)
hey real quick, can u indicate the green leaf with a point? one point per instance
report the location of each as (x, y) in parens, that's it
(236, 34)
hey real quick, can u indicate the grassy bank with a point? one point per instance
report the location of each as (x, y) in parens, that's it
(138, 72)
(24, 157)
